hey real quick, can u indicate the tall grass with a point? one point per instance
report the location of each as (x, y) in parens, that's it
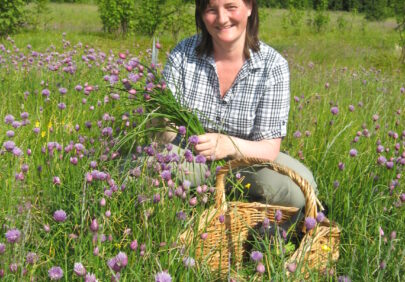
(354, 69)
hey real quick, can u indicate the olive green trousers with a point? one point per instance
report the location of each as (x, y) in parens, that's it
(266, 185)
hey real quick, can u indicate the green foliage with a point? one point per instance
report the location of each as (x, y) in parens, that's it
(376, 9)
(321, 19)
(399, 10)
(149, 15)
(293, 19)
(12, 16)
(180, 20)
(39, 14)
(116, 15)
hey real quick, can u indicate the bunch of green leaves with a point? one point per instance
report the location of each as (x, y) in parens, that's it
(116, 15)
(12, 16)
(399, 10)
(178, 20)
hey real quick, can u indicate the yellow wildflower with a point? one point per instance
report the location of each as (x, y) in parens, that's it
(49, 124)
(37, 124)
(43, 133)
(325, 248)
(247, 186)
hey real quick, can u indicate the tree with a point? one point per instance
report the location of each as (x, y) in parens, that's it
(376, 9)
(12, 16)
(399, 11)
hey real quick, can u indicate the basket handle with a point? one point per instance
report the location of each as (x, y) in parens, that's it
(311, 201)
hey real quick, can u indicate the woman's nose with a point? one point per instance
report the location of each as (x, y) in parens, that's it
(222, 16)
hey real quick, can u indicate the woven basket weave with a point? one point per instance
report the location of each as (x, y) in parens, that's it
(224, 240)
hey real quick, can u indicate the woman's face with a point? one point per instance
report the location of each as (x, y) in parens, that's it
(226, 21)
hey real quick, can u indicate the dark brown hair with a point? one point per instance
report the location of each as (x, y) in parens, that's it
(205, 47)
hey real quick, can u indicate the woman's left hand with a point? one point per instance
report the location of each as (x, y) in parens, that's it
(215, 146)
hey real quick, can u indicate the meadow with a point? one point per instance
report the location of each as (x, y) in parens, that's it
(66, 207)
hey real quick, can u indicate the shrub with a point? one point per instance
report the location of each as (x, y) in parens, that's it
(177, 20)
(116, 14)
(12, 16)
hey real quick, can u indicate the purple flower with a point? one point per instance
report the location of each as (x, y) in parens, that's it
(62, 91)
(90, 277)
(10, 133)
(381, 160)
(351, 108)
(292, 267)
(278, 215)
(13, 235)
(189, 262)
(200, 159)
(8, 119)
(193, 140)
(310, 223)
(320, 217)
(186, 184)
(380, 149)
(221, 218)
(256, 256)
(341, 166)
(163, 277)
(260, 268)
(181, 215)
(62, 106)
(31, 258)
(59, 216)
(45, 93)
(79, 269)
(166, 175)
(55, 273)
(94, 225)
(134, 245)
(193, 201)
(389, 164)
(334, 110)
(56, 180)
(121, 259)
(2, 248)
(344, 279)
(17, 152)
(297, 134)
(9, 145)
(182, 130)
(353, 152)
(156, 198)
(336, 184)
(188, 155)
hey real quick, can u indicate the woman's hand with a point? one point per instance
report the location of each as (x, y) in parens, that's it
(215, 146)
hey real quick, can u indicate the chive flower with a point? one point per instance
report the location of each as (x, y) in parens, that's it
(163, 277)
(55, 273)
(256, 256)
(13, 235)
(59, 216)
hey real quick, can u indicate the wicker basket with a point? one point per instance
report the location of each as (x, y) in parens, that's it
(227, 225)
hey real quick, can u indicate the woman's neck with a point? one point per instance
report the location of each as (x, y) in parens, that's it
(228, 53)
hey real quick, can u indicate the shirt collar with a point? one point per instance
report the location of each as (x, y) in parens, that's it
(254, 62)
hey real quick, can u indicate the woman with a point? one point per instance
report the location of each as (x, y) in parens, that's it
(239, 88)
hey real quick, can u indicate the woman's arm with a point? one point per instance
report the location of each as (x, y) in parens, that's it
(220, 146)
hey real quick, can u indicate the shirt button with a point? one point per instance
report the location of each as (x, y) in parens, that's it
(218, 118)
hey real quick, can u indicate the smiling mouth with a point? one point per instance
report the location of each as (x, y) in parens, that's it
(224, 27)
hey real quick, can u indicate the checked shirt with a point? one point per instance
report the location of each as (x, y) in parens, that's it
(254, 108)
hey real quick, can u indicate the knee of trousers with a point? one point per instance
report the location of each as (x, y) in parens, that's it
(270, 187)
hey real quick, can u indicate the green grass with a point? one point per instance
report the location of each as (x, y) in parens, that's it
(360, 66)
